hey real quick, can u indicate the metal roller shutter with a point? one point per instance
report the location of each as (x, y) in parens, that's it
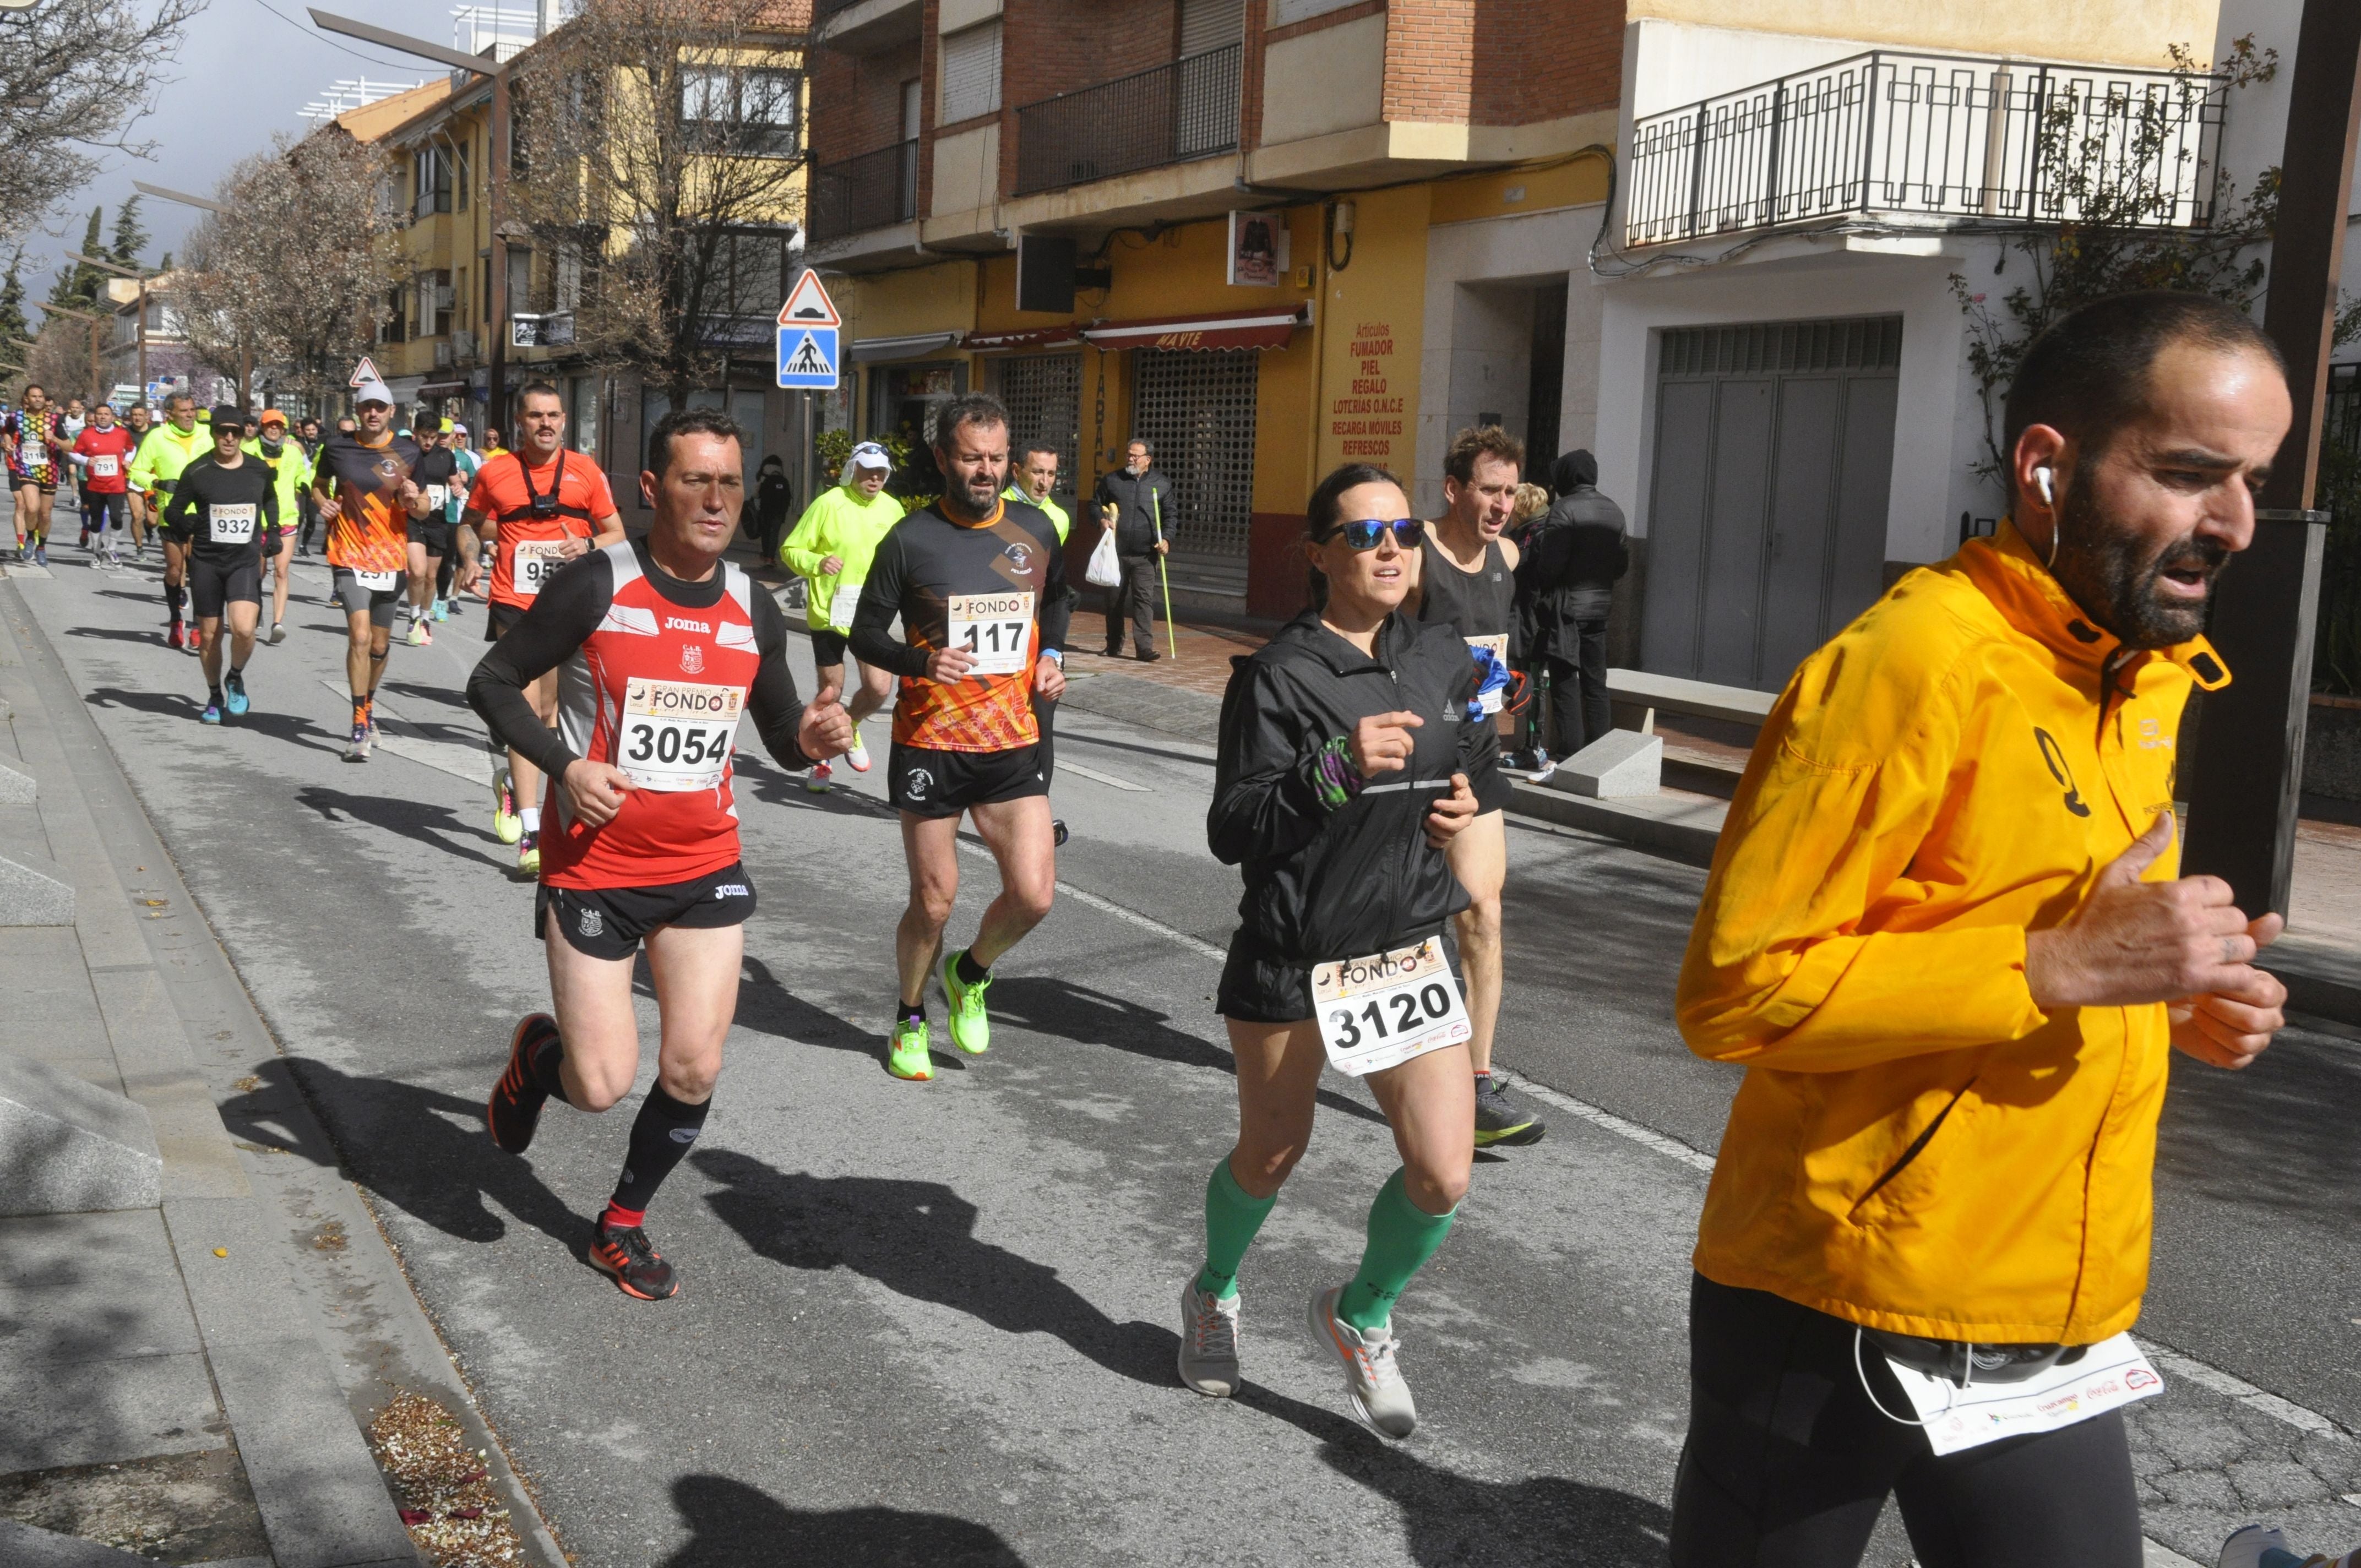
(971, 68)
(1043, 394)
(1197, 409)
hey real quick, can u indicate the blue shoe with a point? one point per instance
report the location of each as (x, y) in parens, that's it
(442, 610)
(236, 686)
(212, 714)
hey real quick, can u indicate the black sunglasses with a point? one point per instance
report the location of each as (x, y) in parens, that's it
(1365, 533)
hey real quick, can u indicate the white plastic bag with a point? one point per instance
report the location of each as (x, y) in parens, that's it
(1105, 571)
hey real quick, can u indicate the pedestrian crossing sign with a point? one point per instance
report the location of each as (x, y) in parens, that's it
(808, 358)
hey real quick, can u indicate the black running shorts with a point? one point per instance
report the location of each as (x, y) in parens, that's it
(502, 617)
(435, 532)
(611, 922)
(349, 596)
(214, 584)
(944, 783)
(827, 647)
(1260, 987)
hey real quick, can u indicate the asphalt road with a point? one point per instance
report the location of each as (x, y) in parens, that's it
(936, 1323)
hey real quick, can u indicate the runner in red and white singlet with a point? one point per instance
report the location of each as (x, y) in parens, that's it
(537, 508)
(659, 648)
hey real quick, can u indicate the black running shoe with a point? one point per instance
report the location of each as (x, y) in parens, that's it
(515, 1110)
(1500, 1120)
(1058, 833)
(632, 1260)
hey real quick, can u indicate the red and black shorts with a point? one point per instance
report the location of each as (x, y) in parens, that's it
(611, 922)
(945, 784)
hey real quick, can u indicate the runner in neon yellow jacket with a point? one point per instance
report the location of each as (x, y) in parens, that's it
(831, 548)
(164, 451)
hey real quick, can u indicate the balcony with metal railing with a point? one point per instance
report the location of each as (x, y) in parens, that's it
(1167, 114)
(1925, 139)
(870, 192)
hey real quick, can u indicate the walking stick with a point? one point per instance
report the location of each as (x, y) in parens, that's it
(1171, 637)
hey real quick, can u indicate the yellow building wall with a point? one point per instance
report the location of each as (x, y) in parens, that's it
(2117, 30)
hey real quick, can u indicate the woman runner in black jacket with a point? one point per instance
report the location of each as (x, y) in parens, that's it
(1348, 759)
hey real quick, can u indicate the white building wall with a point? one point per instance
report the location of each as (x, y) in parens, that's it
(1460, 345)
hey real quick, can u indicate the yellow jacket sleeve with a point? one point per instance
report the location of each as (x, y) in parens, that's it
(807, 543)
(1803, 957)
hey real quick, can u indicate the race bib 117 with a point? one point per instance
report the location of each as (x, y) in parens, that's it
(996, 628)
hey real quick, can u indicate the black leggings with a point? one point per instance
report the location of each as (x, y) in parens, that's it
(1787, 1464)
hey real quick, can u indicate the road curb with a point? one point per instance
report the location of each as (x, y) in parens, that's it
(308, 1341)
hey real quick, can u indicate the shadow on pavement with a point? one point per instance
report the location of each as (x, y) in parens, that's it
(292, 728)
(400, 1142)
(1450, 1518)
(427, 693)
(917, 1239)
(116, 635)
(736, 1526)
(434, 826)
(1048, 1005)
(766, 1006)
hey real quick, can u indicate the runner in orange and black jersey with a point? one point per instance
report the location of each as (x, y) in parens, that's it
(363, 487)
(660, 646)
(980, 586)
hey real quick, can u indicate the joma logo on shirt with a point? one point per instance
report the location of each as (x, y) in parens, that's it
(674, 623)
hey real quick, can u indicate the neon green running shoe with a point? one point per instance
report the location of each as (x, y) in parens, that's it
(906, 1051)
(970, 1025)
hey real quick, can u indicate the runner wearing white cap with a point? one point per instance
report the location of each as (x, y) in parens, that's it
(363, 487)
(831, 547)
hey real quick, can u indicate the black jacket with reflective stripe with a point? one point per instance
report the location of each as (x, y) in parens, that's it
(1325, 881)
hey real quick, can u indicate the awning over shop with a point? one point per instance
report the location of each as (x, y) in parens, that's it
(914, 345)
(443, 389)
(1227, 329)
(1009, 342)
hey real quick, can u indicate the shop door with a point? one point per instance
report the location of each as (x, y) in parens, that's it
(1043, 394)
(1197, 410)
(1766, 530)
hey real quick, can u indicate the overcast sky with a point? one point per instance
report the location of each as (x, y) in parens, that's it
(242, 74)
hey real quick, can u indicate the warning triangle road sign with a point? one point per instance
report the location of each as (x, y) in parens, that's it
(808, 305)
(363, 373)
(808, 359)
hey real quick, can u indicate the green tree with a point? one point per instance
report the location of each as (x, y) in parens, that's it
(130, 238)
(13, 325)
(77, 282)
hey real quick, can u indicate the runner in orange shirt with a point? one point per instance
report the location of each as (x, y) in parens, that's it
(363, 487)
(539, 508)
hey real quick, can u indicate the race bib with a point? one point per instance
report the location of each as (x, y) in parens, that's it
(995, 628)
(841, 604)
(376, 582)
(32, 453)
(1489, 701)
(677, 735)
(104, 466)
(534, 563)
(438, 497)
(230, 524)
(1381, 1010)
(2110, 1373)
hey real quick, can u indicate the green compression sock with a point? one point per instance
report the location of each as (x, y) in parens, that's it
(1232, 1218)
(1402, 1236)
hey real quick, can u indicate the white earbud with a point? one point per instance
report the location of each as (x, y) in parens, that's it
(2041, 477)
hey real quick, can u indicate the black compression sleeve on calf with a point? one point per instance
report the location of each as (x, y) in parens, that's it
(661, 1135)
(175, 595)
(545, 1064)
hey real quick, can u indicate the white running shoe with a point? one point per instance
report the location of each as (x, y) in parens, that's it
(817, 779)
(859, 755)
(1373, 1379)
(1209, 1343)
(2246, 1547)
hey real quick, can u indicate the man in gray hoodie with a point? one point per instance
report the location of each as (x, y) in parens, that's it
(1565, 586)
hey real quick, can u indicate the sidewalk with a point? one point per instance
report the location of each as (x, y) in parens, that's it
(197, 1327)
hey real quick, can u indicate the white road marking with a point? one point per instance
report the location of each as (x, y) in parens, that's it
(1107, 779)
(461, 761)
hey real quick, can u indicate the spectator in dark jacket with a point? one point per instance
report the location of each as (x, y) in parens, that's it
(775, 501)
(1144, 512)
(1565, 586)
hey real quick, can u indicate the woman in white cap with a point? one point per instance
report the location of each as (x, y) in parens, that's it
(830, 549)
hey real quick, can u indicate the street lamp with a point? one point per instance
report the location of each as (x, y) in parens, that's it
(106, 264)
(497, 73)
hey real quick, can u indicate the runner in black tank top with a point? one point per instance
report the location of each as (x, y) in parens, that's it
(1479, 491)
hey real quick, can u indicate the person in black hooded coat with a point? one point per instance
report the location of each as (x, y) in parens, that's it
(1565, 586)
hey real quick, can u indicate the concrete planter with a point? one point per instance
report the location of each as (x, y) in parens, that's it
(2332, 747)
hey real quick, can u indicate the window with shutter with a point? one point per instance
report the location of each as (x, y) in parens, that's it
(1209, 24)
(1282, 12)
(971, 67)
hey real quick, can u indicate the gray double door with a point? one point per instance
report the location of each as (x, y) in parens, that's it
(1766, 530)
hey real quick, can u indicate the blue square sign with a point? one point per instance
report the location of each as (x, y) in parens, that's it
(808, 358)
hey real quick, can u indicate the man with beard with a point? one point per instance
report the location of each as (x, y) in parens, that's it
(1945, 935)
(980, 587)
